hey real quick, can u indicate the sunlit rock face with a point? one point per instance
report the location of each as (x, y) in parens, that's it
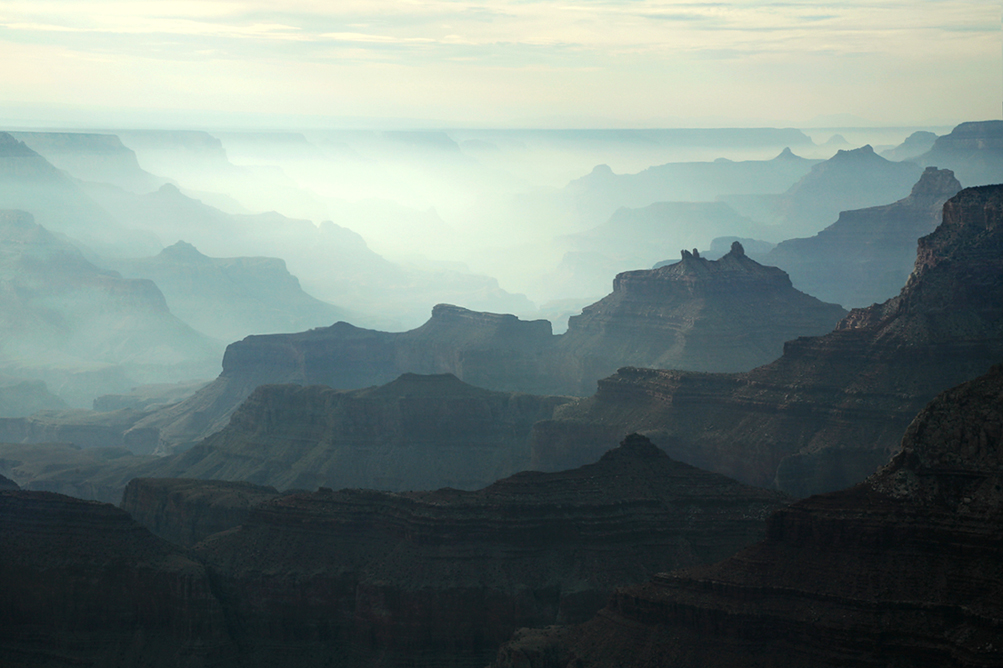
(365, 578)
(901, 570)
(866, 256)
(83, 584)
(833, 408)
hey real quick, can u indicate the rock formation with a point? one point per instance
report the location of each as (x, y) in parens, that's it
(92, 157)
(866, 256)
(722, 315)
(230, 298)
(974, 151)
(83, 584)
(730, 314)
(901, 570)
(916, 144)
(417, 432)
(28, 182)
(85, 329)
(364, 578)
(833, 408)
(7, 484)
(852, 179)
(187, 511)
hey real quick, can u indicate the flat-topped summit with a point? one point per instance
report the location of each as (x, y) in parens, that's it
(698, 314)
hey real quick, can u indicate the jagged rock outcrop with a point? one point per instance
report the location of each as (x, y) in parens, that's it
(230, 298)
(902, 570)
(186, 511)
(730, 314)
(833, 408)
(417, 432)
(83, 584)
(364, 578)
(866, 256)
(974, 151)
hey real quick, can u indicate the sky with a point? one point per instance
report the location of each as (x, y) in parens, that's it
(503, 63)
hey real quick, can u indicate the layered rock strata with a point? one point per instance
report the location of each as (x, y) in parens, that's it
(866, 256)
(973, 150)
(903, 569)
(832, 409)
(83, 584)
(364, 578)
(418, 432)
(730, 314)
(723, 315)
(186, 511)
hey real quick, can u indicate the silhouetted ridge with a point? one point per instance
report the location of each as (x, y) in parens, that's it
(12, 148)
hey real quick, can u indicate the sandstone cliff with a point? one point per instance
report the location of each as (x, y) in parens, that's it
(866, 256)
(363, 578)
(832, 408)
(82, 584)
(901, 570)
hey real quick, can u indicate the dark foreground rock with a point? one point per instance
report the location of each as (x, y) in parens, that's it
(901, 570)
(833, 408)
(81, 584)
(186, 511)
(365, 578)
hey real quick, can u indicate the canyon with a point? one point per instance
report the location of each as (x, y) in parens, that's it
(902, 569)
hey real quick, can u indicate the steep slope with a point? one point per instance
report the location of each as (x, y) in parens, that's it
(866, 256)
(729, 314)
(417, 432)
(364, 578)
(83, 584)
(852, 179)
(832, 408)
(901, 570)
(77, 326)
(230, 298)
